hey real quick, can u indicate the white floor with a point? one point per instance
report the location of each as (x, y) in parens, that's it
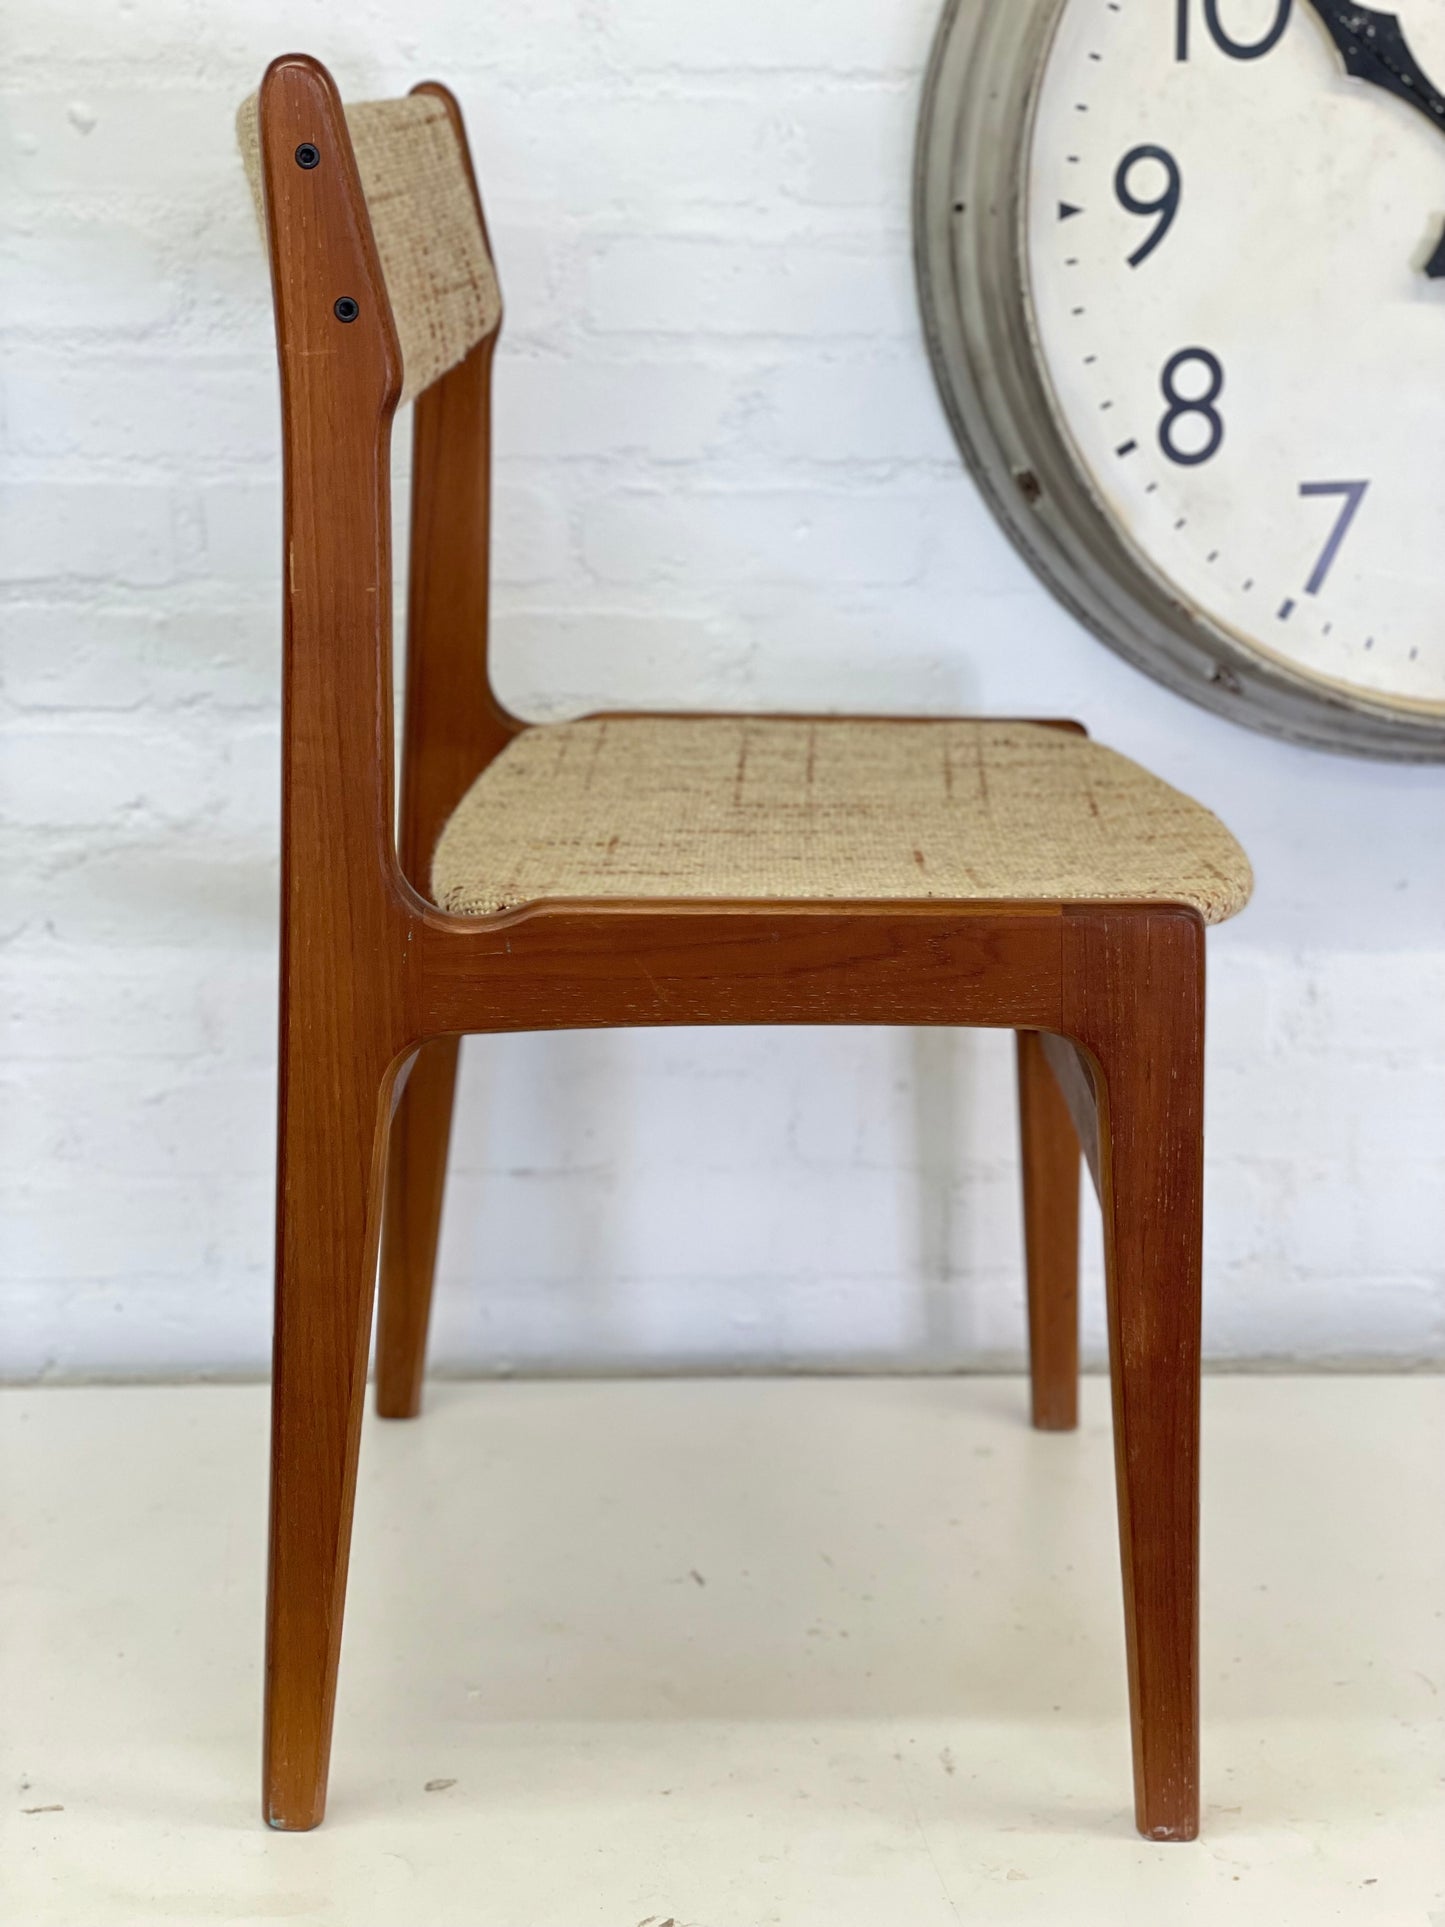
(723, 1654)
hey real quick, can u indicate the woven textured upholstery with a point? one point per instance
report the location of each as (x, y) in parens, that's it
(737, 807)
(439, 275)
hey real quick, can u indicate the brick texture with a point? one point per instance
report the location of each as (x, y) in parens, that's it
(723, 478)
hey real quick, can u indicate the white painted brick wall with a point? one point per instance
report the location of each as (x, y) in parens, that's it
(723, 478)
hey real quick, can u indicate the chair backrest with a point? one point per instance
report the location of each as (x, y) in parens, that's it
(426, 222)
(384, 290)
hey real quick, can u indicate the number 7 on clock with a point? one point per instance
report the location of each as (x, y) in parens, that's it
(1354, 494)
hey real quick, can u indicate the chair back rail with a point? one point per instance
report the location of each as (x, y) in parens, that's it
(426, 222)
(386, 201)
(341, 375)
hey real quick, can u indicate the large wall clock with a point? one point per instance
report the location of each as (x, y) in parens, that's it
(1182, 267)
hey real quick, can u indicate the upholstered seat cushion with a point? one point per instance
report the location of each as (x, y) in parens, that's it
(740, 807)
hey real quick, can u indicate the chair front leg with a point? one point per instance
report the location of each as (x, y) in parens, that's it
(1051, 1160)
(1137, 991)
(334, 1100)
(416, 1175)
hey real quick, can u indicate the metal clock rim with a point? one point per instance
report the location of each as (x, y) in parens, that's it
(976, 116)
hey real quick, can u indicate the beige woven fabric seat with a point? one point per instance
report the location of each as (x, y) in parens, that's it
(737, 807)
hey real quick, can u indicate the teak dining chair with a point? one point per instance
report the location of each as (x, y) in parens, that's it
(650, 869)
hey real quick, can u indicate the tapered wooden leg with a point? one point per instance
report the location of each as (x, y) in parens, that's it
(416, 1174)
(1139, 1009)
(331, 1154)
(1051, 1160)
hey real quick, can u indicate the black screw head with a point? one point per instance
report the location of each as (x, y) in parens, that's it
(346, 309)
(307, 155)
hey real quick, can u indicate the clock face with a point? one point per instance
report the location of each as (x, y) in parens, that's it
(1225, 253)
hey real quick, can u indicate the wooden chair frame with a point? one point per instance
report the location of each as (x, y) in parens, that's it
(378, 985)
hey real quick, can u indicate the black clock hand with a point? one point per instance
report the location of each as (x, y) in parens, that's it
(1375, 49)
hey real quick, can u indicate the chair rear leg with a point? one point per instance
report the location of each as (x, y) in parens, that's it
(1141, 1014)
(415, 1185)
(331, 1153)
(1051, 1160)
